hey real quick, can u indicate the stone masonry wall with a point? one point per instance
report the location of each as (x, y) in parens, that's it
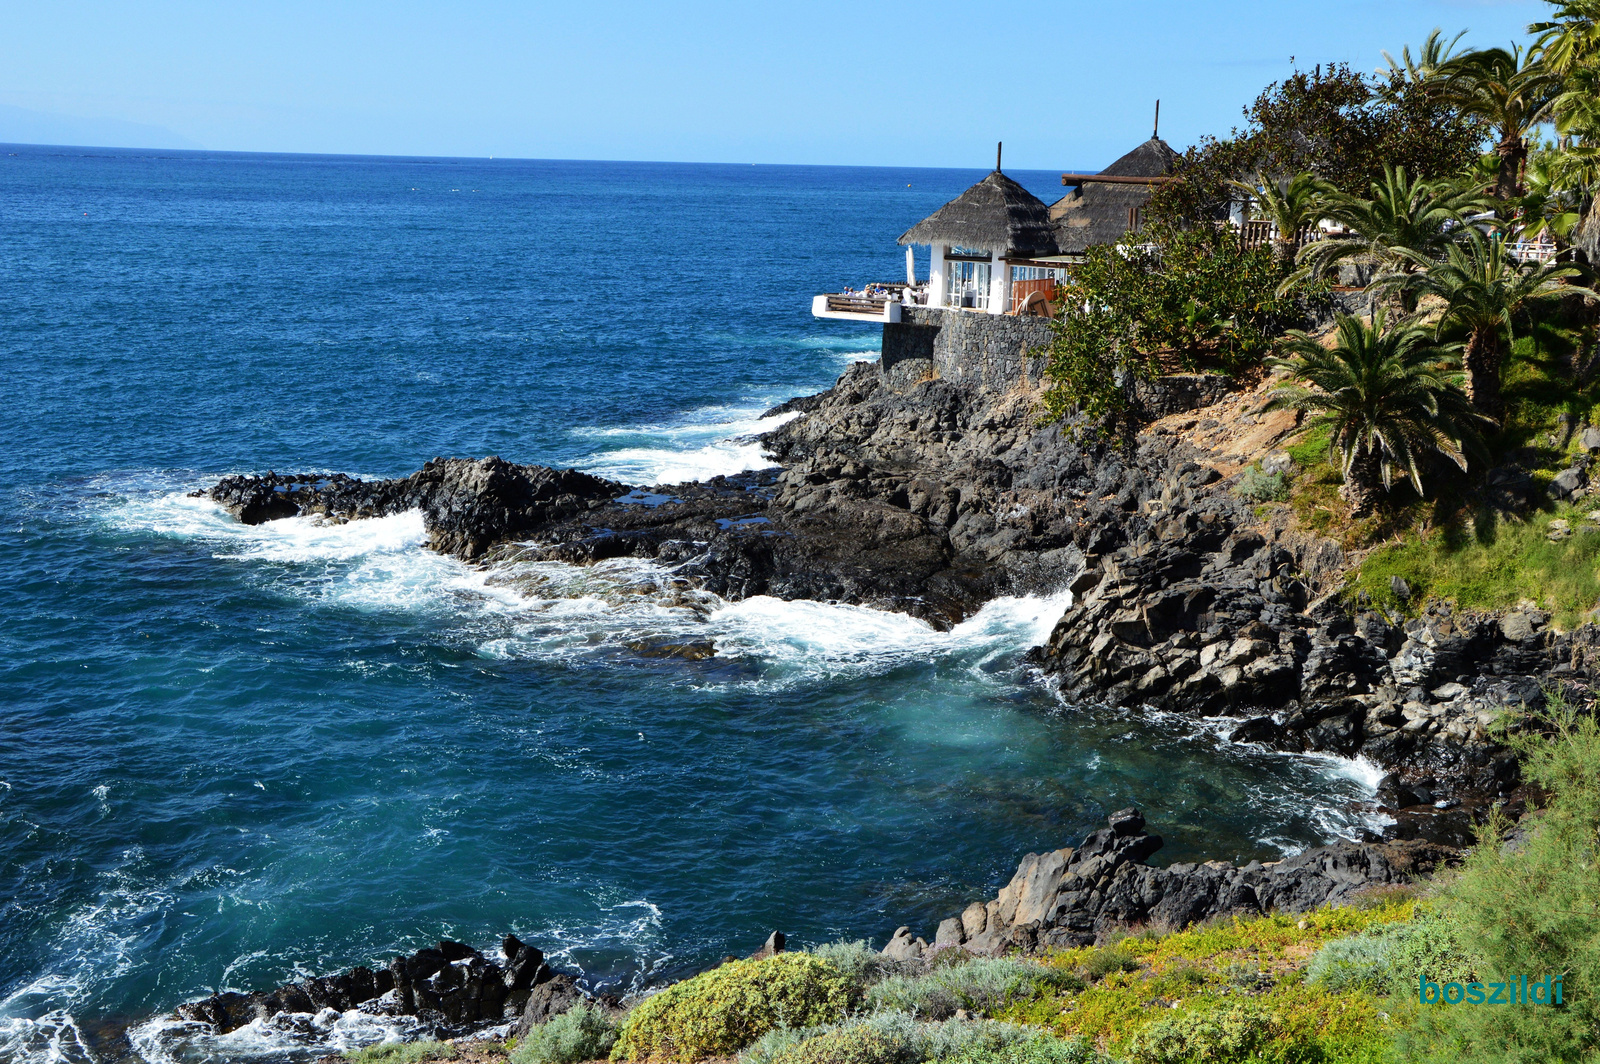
(989, 350)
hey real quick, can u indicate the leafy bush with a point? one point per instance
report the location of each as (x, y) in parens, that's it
(1389, 958)
(856, 1043)
(721, 1011)
(1042, 1049)
(1102, 962)
(983, 985)
(1237, 1032)
(403, 1052)
(1186, 296)
(581, 1033)
(896, 1038)
(1530, 909)
(1361, 962)
(1262, 487)
(860, 963)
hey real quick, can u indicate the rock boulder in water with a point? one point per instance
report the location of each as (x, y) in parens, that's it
(451, 988)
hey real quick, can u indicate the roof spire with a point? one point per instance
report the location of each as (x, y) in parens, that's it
(997, 146)
(1156, 133)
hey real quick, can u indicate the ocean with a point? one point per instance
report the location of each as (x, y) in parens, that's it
(231, 757)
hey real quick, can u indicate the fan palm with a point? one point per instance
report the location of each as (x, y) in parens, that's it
(1389, 397)
(1484, 289)
(1405, 223)
(1291, 204)
(1511, 92)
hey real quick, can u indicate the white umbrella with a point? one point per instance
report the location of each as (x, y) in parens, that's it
(911, 265)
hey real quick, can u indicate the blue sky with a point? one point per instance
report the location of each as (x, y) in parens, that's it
(1065, 83)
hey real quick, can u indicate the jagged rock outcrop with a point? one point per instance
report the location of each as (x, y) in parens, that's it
(1074, 897)
(467, 506)
(932, 498)
(451, 988)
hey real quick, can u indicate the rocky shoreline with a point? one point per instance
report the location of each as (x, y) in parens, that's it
(930, 498)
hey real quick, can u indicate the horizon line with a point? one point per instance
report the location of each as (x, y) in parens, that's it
(507, 158)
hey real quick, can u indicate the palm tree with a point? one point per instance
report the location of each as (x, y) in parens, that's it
(1484, 289)
(1404, 224)
(1389, 397)
(1569, 39)
(1291, 204)
(1511, 92)
(1423, 69)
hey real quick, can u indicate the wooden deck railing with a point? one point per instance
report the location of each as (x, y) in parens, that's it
(856, 304)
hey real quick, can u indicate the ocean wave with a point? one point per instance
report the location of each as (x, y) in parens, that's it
(711, 441)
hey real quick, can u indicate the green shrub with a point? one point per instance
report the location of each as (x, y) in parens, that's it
(984, 985)
(1237, 1032)
(581, 1033)
(860, 963)
(776, 1042)
(1102, 962)
(856, 1043)
(1041, 1049)
(1360, 962)
(1532, 909)
(721, 1011)
(403, 1052)
(897, 1038)
(1262, 487)
(1388, 958)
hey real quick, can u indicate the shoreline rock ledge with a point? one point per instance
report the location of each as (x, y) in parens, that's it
(1075, 897)
(450, 988)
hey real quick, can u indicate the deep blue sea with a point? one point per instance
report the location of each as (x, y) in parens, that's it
(233, 756)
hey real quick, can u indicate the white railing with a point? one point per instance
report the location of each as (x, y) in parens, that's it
(1532, 251)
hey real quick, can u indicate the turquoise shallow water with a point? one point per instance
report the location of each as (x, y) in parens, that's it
(229, 756)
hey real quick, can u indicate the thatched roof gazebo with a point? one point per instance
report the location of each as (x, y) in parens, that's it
(996, 214)
(1105, 207)
(977, 241)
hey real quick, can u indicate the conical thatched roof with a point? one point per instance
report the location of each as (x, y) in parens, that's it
(1097, 213)
(996, 213)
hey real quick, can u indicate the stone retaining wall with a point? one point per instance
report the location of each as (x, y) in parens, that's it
(991, 351)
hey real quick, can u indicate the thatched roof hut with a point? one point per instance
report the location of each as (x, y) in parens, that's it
(996, 215)
(1102, 212)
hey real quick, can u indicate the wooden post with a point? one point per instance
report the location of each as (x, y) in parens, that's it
(997, 146)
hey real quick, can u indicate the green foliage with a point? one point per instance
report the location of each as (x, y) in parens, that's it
(1402, 223)
(1389, 958)
(1102, 962)
(896, 1038)
(1262, 487)
(723, 1010)
(403, 1052)
(1191, 300)
(861, 964)
(581, 1033)
(1533, 909)
(983, 985)
(1237, 1032)
(1484, 562)
(1388, 397)
(1332, 122)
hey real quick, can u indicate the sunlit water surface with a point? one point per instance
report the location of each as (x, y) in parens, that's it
(232, 756)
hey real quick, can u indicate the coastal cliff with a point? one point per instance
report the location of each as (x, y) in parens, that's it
(932, 496)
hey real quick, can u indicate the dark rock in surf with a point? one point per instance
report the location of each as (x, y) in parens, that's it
(451, 988)
(549, 999)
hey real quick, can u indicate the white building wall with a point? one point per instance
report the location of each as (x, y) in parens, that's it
(999, 283)
(937, 279)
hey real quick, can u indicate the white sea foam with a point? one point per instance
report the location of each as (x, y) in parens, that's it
(711, 441)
